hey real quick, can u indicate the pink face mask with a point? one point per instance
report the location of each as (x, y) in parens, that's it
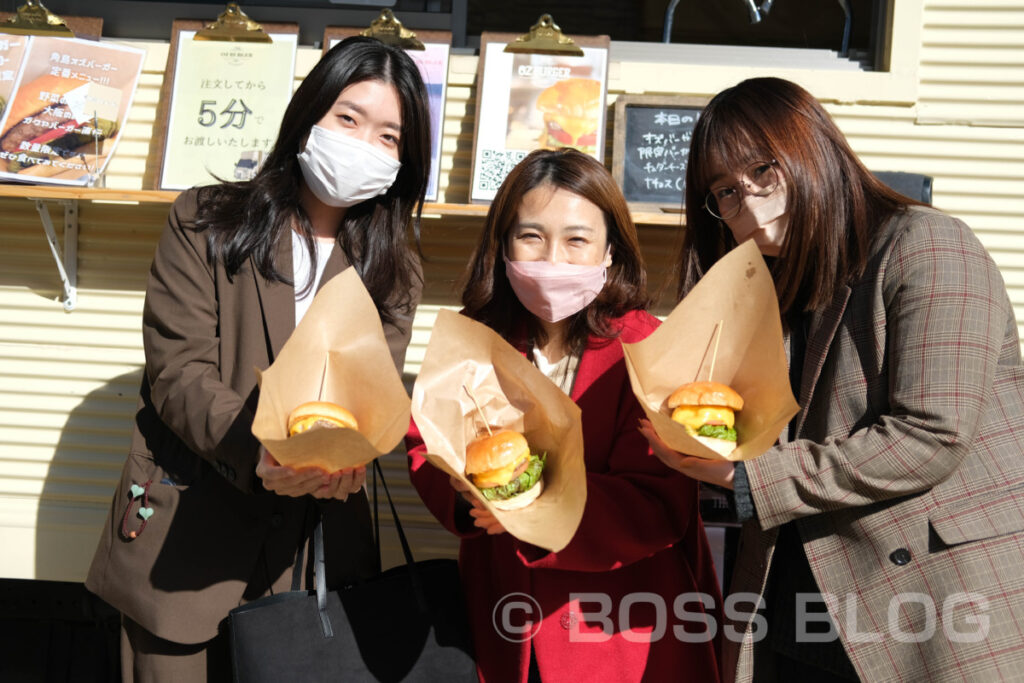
(554, 291)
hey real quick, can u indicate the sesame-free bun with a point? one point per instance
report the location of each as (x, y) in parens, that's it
(520, 500)
(496, 451)
(705, 394)
(319, 415)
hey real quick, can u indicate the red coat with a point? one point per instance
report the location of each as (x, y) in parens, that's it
(641, 543)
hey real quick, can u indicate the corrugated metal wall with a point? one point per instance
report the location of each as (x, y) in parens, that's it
(68, 381)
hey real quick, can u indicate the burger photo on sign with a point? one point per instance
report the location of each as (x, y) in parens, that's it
(572, 113)
(713, 379)
(54, 121)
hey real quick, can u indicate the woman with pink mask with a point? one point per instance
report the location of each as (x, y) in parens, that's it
(883, 534)
(558, 273)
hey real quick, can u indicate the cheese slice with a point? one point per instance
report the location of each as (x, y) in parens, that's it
(498, 477)
(695, 417)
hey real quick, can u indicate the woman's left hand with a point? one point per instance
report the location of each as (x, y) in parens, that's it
(482, 517)
(341, 483)
(718, 472)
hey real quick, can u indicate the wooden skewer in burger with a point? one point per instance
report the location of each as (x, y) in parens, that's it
(708, 409)
(500, 465)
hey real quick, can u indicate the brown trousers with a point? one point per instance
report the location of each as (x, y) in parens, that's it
(146, 658)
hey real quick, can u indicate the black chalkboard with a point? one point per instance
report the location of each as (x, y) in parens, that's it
(651, 146)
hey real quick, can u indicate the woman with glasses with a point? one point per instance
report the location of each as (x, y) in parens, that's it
(884, 532)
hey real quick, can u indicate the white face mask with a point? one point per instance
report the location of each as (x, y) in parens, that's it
(342, 170)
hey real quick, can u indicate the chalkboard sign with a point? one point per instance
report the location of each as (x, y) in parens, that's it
(651, 146)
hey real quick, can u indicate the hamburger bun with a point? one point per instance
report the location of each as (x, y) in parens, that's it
(706, 394)
(320, 415)
(495, 451)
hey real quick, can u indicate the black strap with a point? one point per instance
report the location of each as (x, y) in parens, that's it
(319, 569)
(376, 523)
(320, 578)
(394, 513)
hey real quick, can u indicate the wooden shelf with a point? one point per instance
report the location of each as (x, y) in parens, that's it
(430, 210)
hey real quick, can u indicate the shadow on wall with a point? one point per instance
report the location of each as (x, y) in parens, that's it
(51, 628)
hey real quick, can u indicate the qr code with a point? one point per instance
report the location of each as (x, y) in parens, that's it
(495, 164)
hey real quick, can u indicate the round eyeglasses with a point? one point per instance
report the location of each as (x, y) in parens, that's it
(759, 179)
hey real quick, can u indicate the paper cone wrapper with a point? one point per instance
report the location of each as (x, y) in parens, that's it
(339, 342)
(751, 358)
(512, 394)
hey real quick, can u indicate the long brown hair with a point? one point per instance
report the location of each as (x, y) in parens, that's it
(487, 295)
(835, 204)
(247, 219)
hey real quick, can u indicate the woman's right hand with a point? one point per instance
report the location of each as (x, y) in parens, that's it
(288, 481)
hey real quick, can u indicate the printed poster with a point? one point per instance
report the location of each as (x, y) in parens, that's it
(68, 107)
(226, 106)
(533, 101)
(12, 48)
(433, 66)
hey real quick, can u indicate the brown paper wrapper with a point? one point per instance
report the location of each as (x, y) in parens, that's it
(339, 342)
(738, 290)
(512, 394)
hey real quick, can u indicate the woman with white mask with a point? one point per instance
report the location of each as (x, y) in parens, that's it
(558, 273)
(234, 272)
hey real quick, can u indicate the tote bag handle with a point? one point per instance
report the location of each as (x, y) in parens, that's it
(320, 564)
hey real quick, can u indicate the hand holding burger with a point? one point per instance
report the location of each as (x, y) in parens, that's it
(707, 410)
(501, 466)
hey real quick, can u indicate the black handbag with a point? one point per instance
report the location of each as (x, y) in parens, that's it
(406, 624)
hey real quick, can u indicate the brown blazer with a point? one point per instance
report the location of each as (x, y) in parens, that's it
(906, 474)
(216, 538)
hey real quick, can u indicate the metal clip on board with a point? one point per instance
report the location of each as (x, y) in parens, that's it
(233, 25)
(546, 38)
(389, 30)
(34, 19)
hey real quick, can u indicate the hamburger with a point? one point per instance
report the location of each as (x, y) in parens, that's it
(708, 411)
(501, 466)
(572, 110)
(320, 415)
(42, 127)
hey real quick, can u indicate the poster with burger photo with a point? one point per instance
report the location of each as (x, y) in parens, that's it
(67, 109)
(521, 450)
(333, 398)
(531, 101)
(713, 379)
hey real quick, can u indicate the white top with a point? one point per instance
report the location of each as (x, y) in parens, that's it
(301, 268)
(562, 372)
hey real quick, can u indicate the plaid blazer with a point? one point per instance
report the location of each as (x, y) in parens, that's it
(905, 472)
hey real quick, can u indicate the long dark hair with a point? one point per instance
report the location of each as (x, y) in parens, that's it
(247, 219)
(835, 204)
(487, 294)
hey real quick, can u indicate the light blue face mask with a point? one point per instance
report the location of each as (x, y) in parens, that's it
(342, 171)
